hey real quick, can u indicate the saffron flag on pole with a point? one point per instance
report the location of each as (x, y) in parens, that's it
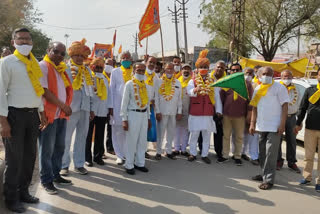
(114, 39)
(120, 49)
(150, 21)
(236, 82)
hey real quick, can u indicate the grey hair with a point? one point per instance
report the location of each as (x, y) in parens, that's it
(268, 68)
(126, 53)
(220, 62)
(286, 71)
(168, 63)
(247, 68)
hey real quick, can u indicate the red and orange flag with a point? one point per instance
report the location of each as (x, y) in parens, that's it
(120, 49)
(150, 21)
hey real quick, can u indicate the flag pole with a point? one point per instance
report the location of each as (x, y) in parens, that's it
(161, 37)
(147, 46)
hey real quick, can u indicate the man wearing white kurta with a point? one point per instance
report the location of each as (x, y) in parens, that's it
(135, 115)
(168, 110)
(118, 80)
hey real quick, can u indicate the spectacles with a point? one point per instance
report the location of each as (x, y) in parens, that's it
(141, 71)
(56, 52)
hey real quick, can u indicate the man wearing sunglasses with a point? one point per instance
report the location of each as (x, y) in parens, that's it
(57, 100)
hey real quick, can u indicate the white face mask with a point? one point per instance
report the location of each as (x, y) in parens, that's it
(247, 77)
(177, 68)
(169, 76)
(108, 69)
(265, 80)
(23, 49)
(139, 77)
(287, 82)
(150, 71)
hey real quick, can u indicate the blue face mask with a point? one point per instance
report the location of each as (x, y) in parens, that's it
(126, 64)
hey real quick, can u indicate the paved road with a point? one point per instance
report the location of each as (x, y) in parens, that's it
(178, 187)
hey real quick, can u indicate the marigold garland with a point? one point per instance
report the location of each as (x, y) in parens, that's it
(82, 74)
(61, 68)
(126, 73)
(141, 93)
(149, 80)
(295, 93)
(33, 70)
(205, 88)
(167, 87)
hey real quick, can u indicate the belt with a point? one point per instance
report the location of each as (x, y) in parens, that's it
(139, 110)
(291, 115)
(30, 110)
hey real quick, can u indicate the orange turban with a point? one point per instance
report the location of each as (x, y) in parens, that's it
(202, 59)
(79, 48)
(97, 62)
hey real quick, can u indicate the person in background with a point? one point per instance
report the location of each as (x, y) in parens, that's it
(158, 70)
(5, 51)
(177, 66)
(310, 104)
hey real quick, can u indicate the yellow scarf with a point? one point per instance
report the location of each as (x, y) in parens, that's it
(235, 95)
(126, 73)
(167, 87)
(177, 75)
(33, 70)
(101, 87)
(106, 76)
(206, 89)
(143, 93)
(184, 82)
(214, 77)
(291, 87)
(315, 97)
(256, 80)
(262, 91)
(61, 68)
(149, 80)
(82, 71)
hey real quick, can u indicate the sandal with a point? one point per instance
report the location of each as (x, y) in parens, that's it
(157, 157)
(265, 186)
(257, 178)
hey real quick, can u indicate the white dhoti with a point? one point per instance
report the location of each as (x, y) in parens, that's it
(167, 126)
(181, 138)
(206, 125)
(119, 141)
(136, 139)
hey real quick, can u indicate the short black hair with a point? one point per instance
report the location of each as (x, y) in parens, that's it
(176, 57)
(18, 30)
(236, 64)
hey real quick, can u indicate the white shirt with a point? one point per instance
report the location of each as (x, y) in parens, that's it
(151, 89)
(129, 102)
(101, 107)
(62, 93)
(171, 107)
(270, 107)
(16, 89)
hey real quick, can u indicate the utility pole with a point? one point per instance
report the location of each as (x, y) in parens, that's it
(184, 16)
(176, 21)
(66, 36)
(135, 55)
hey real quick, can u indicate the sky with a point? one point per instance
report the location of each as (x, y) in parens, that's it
(111, 13)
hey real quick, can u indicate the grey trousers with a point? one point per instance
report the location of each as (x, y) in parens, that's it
(268, 152)
(290, 140)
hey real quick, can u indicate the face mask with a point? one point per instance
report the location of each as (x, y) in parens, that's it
(287, 82)
(108, 69)
(126, 64)
(265, 80)
(169, 76)
(23, 49)
(139, 77)
(203, 71)
(247, 77)
(177, 68)
(149, 71)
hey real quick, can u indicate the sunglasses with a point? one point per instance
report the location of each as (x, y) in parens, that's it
(56, 52)
(99, 67)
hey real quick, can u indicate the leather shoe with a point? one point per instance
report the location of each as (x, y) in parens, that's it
(130, 171)
(27, 198)
(15, 206)
(141, 168)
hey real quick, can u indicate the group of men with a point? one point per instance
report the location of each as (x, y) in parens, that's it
(62, 103)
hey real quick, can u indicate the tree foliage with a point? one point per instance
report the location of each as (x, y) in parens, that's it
(21, 13)
(269, 24)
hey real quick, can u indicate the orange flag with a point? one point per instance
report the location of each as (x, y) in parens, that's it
(150, 21)
(120, 49)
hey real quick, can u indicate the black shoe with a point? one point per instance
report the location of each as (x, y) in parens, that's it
(89, 163)
(81, 170)
(99, 162)
(157, 157)
(60, 180)
(233, 158)
(186, 154)
(27, 198)
(130, 171)
(175, 153)
(171, 156)
(206, 160)
(222, 160)
(15, 206)
(50, 188)
(238, 162)
(192, 158)
(257, 178)
(245, 157)
(147, 156)
(141, 168)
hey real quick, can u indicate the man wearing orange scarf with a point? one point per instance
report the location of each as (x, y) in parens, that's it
(81, 105)
(57, 100)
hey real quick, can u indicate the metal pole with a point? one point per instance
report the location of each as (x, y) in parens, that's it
(186, 56)
(176, 23)
(298, 50)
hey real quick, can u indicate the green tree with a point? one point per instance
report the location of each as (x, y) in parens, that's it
(269, 24)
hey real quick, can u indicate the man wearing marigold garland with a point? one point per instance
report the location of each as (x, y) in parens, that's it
(204, 101)
(101, 103)
(293, 107)
(57, 100)
(20, 95)
(168, 109)
(81, 80)
(135, 113)
(120, 76)
(182, 133)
